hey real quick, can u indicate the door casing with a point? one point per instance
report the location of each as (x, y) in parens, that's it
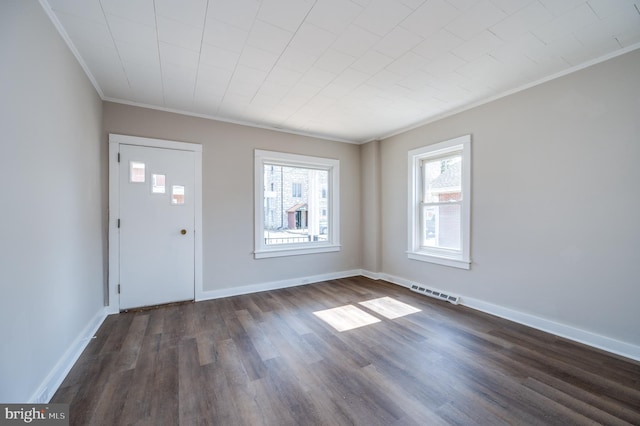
(113, 298)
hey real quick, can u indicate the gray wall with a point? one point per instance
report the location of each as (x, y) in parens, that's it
(52, 223)
(228, 211)
(370, 201)
(555, 201)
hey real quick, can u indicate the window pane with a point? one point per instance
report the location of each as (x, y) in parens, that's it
(443, 179)
(136, 172)
(177, 195)
(157, 184)
(441, 226)
(294, 209)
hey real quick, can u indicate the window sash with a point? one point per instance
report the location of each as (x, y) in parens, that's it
(424, 230)
(456, 251)
(264, 159)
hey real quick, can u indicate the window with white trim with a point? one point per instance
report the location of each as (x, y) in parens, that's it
(440, 203)
(296, 204)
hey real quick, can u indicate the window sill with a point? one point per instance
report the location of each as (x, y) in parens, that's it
(440, 260)
(294, 251)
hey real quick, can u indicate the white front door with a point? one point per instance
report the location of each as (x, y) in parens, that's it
(156, 187)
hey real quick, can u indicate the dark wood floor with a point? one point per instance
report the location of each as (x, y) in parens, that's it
(266, 358)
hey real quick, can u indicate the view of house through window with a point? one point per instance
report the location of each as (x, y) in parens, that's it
(441, 202)
(295, 210)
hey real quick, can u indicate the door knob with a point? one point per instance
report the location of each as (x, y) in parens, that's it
(183, 231)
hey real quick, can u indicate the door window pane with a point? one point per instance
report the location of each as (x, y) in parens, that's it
(177, 195)
(157, 184)
(136, 172)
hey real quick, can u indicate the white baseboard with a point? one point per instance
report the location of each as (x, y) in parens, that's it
(608, 344)
(274, 285)
(54, 379)
(370, 275)
(395, 280)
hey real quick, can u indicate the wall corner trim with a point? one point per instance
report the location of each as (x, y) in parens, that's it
(56, 376)
(370, 275)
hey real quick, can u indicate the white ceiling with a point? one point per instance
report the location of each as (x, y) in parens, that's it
(339, 69)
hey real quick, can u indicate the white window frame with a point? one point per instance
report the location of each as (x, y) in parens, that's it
(262, 158)
(455, 258)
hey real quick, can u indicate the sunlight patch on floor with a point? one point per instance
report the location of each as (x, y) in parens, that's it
(346, 317)
(389, 308)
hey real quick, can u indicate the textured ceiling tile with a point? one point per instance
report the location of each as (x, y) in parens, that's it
(444, 65)
(351, 78)
(132, 32)
(318, 77)
(567, 23)
(285, 14)
(561, 7)
(311, 39)
(140, 11)
(146, 55)
(522, 21)
(484, 43)
(221, 34)
(179, 75)
(179, 34)
(140, 76)
(463, 4)
(518, 47)
(355, 41)
(283, 76)
(323, 15)
(413, 4)
(218, 57)
(624, 26)
(480, 17)
(511, 6)
(246, 81)
(607, 8)
(258, 58)
(430, 17)
(170, 53)
(438, 44)
(381, 16)
(269, 37)
(213, 77)
(189, 12)
(86, 31)
(334, 61)
(297, 60)
(239, 13)
(371, 62)
(384, 79)
(407, 63)
(398, 42)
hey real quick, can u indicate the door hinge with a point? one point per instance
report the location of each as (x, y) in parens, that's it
(118, 157)
(118, 223)
(118, 288)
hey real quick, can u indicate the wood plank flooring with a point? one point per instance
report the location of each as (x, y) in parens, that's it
(267, 359)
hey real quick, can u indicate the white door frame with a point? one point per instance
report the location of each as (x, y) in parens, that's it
(115, 140)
